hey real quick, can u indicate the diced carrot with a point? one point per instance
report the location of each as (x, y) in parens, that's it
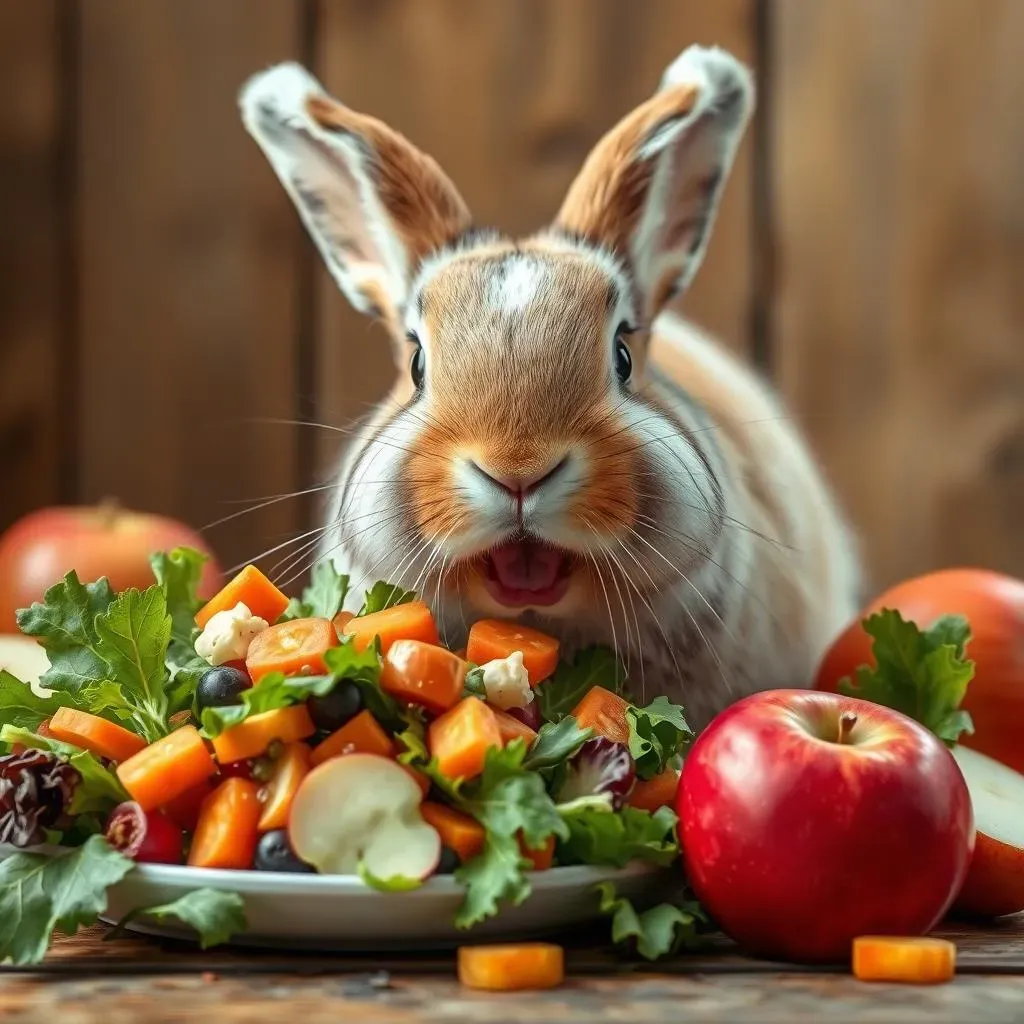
(658, 792)
(458, 831)
(540, 859)
(424, 674)
(340, 621)
(605, 713)
(359, 735)
(412, 621)
(460, 738)
(227, 832)
(492, 638)
(532, 965)
(296, 648)
(419, 778)
(95, 734)
(289, 770)
(251, 737)
(167, 768)
(184, 809)
(916, 961)
(251, 588)
(511, 728)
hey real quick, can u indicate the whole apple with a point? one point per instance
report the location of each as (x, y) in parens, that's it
(104, 540)
(807, 819)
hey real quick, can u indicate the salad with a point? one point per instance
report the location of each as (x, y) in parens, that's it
(258, 732)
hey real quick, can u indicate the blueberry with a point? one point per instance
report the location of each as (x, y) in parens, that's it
(449, 861)
(218, 687)
(274, 853)
(333, 710)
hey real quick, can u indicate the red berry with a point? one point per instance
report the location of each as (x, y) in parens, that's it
(147, 837)
(184, 810)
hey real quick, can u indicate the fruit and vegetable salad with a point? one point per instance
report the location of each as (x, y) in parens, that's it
(257, 732)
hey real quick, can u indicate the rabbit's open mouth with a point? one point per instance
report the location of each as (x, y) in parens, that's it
(525, 573)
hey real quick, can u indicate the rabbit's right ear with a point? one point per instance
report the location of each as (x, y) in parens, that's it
(373, 203)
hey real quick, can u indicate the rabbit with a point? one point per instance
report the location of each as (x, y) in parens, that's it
(557, 447)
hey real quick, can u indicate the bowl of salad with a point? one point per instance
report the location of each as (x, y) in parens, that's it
(267, 769)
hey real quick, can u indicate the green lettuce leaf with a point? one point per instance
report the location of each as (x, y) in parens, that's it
(64, 622)
(323, 598)
(592, 666)
(21, 706)
(922, 673)
(363, 669)
(215, 915)
(660, 931)
(658, 734)
(556, 743)
(599, 835)
(382, 596)
(273, 691)
(40, 895)
(178, 573)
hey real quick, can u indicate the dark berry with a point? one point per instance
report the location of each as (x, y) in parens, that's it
(333, 710)
(449, 861)
(274, 853)
(218, 687)
(146, 836)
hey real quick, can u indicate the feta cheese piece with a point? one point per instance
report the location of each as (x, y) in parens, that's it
(226, 637)
(507, 682)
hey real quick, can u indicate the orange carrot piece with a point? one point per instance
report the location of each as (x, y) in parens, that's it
(419, 778)
(492, 638)
(340, 621)
(277, 796)
(460, 738)
(227, 833)
(296, 648)
(167, 768)
(605, 713)
(458, 831)
(540, 859)
(412, 621)
(95, 734)
(184, 809)
(532, 965)
(658, 792)
(252, 737)
(511, 728)
(421, 673)
(359, 735)
(251, 588)
(915, 961)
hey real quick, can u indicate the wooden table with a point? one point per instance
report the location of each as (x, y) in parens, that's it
(133, 979)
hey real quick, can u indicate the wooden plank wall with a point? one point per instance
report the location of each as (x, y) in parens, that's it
(162, 317)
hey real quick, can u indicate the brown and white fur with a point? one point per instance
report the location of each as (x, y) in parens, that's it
(698, 536)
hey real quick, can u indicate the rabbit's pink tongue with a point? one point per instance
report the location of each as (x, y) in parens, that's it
(523, 574)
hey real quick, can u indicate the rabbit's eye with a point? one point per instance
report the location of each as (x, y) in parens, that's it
(623, 360)
(418, 367)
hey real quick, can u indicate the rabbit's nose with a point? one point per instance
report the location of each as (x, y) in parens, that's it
(520, 485)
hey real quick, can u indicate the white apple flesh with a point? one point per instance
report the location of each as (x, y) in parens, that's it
(995, 880)
(363, 809)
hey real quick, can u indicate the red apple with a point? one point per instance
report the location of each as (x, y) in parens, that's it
(98, 541)
(807, 819)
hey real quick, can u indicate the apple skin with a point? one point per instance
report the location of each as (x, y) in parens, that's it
(994, 886)
(104, 540)
(797, 844)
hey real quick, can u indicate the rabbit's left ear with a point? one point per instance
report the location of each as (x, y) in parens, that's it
(650, 188)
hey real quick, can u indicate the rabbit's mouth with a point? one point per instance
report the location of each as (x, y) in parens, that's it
(526, 573)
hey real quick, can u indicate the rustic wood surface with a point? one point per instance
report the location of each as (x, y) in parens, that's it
(86, 978)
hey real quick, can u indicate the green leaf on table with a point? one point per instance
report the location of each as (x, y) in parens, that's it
(922, 673)
(323, 598)
(21, 706)
(64, 622)
(382, 596)
(41, 894)
(658, 733)
(659, 931)
(599, 835)
(556, 743)
(217, 916)
(572, 681)
(397, 883)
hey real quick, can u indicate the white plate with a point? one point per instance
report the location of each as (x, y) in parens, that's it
(341, 912)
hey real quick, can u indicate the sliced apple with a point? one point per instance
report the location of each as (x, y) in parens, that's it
(360, 814)
(995, 881)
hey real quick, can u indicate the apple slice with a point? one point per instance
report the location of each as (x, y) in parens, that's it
(360, 814)
(995, 880)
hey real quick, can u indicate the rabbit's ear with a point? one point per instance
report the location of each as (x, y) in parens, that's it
(374, 204)
(650, 188)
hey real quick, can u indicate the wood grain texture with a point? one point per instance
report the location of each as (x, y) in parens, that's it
(30, 257)
(509, 97)
(188, 262)
(898, 159)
